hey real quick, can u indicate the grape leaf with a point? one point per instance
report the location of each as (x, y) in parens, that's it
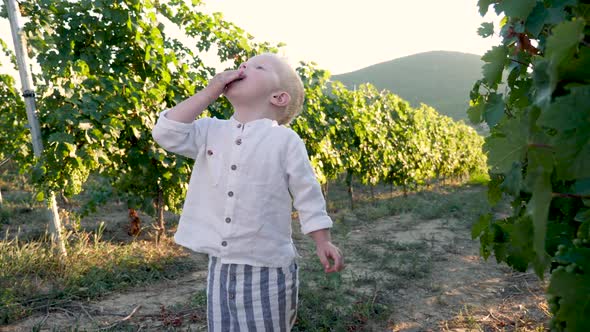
(560, 4)
(574, 304)
(570, 116)
(475, 111)
(495, 59)
(582, 187)
(494, 109)
(520, 251)
(484, 5)
(536, 19)
(509, 146)
(481, 225)
(517, 8)
(540, 166)
(542, 81)
(563, 41)
(578, 70)
(568, 112)
(513, 180)
(486, 29)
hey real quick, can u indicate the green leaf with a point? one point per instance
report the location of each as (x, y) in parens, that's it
(573, 155)
(40, 196)
(475, 111)
(577, 70)
(494, 109)
(494, 191)
(568, 112)
(584, 217)
(573, 291)
(484, 6)
(486, 29)
(496, 59)
(482, 224)
(539, 176)
(560, 4)
(512, 183)
(570, 116)
(520, 252)
(542, 81)
(536, 20)
(564, 40)
(507, 147)
(582, 187)
(517, 8)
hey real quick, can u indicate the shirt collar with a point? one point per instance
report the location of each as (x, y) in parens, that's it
(262, 123)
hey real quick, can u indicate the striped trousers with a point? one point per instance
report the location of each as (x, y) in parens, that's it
(251, 298)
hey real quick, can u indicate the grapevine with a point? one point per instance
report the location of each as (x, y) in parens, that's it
(539, 148)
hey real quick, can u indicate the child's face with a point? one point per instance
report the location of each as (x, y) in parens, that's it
(261, 80)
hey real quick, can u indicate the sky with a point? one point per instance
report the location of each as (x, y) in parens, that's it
(345, 35)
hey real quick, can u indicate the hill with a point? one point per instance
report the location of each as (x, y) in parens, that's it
(440, 79)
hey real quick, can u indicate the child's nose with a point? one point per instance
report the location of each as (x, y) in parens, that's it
(243, 66)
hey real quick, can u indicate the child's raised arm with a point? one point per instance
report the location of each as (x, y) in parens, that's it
(187, 110)
(177, 130)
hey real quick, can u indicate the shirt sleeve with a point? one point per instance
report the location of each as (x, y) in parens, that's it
(181, 138)
(308, 199)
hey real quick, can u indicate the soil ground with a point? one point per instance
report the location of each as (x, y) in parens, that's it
(427, 270)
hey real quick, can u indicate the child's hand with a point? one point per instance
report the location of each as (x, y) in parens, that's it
(220, 82)
(327, 251)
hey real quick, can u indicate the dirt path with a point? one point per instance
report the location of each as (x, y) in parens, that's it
(429, 269)
(146, 303)
(460, 291)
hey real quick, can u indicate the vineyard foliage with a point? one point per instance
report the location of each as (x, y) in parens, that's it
(109, 67)
(14, 137)
(539, 147)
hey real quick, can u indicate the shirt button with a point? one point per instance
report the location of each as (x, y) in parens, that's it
(234, 167)
(224, 243)
(232, 278)
(239, 141)
(231, 296)
(230, 194)
(228, 220)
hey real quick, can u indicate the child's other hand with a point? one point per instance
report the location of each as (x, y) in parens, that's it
(220, 81)
(327, 251)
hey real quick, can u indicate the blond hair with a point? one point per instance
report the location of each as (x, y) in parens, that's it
(290, 81)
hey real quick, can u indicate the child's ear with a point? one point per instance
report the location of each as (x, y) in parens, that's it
(280, 99)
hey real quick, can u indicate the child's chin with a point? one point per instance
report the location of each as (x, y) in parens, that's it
(233, 96)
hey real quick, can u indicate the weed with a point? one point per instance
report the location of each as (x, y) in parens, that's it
(33, 276)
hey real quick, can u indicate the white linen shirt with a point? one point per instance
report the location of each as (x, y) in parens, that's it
(245, 182)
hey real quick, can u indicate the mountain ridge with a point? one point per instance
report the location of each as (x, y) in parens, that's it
(441, 79)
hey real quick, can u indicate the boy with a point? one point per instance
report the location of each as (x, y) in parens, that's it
(249, 173)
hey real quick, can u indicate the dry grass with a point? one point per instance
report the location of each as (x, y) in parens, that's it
(411, 266)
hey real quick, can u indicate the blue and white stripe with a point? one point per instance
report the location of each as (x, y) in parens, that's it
(251, 298)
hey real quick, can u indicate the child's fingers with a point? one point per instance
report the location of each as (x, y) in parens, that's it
(324, 260)
(338, 262)
(234, 74)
